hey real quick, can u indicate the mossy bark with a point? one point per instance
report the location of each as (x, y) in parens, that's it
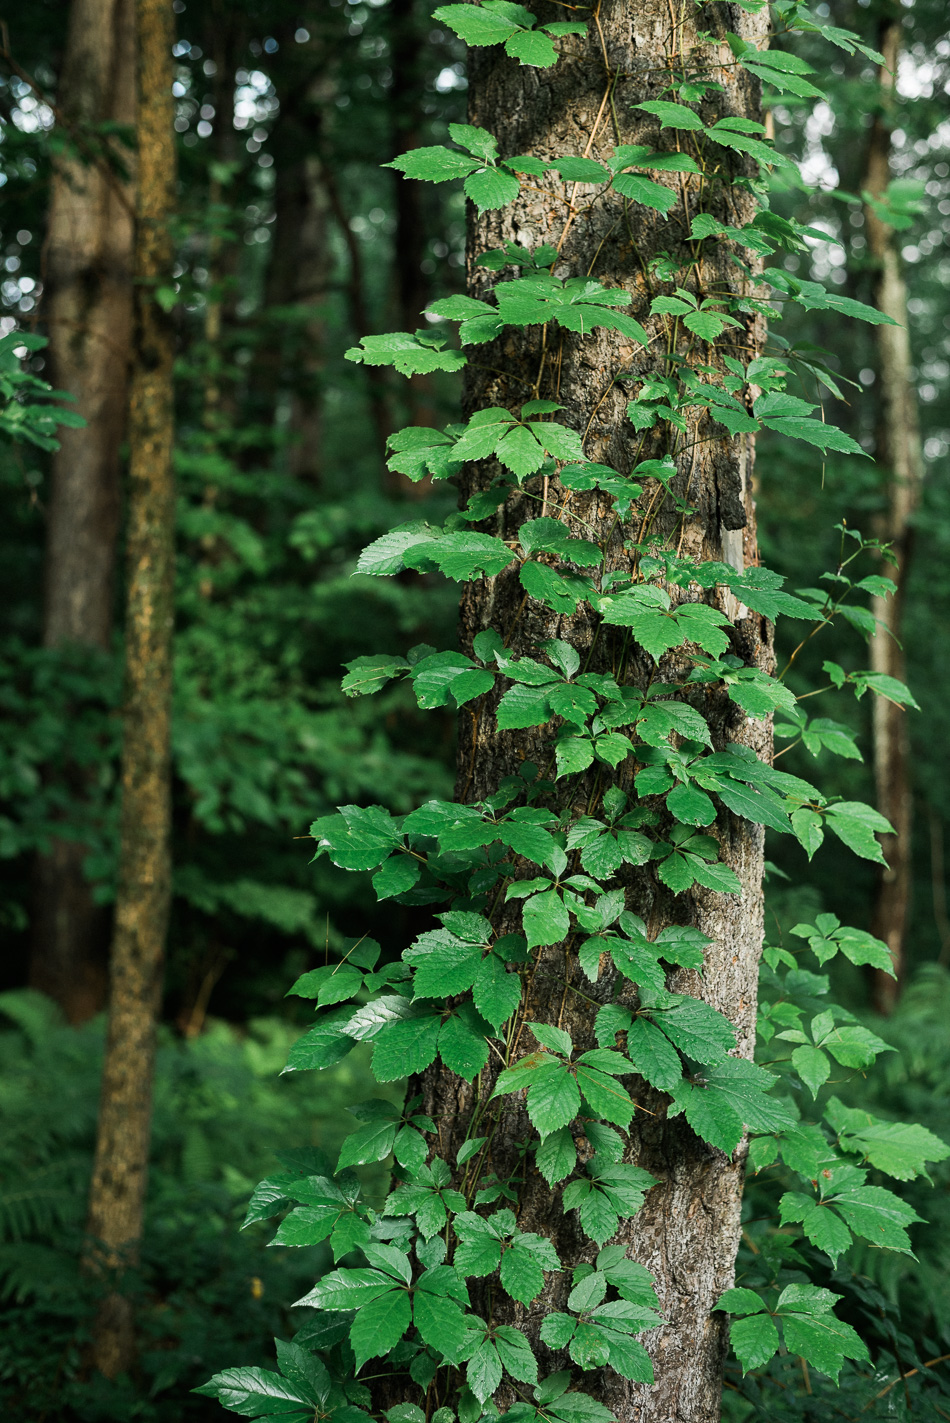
(144, 889)
(88, 313)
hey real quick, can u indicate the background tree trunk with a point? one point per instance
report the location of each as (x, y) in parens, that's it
(408, 25)
(144, 894)
(89, 317)
(301, 257)
(899, 454)
(687, 1232)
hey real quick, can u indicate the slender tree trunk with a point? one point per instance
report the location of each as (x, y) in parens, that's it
(88, 308)
(687, 1232)
(408, 23)
(142, 906)
(300, 261)
(900, 458)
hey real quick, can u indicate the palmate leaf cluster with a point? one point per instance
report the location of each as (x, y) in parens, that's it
(408, 1266)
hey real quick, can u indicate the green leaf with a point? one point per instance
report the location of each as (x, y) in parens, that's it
(812, 1066)
(462, 1044)
(357, 838)
(556, 1156)
(762, 152)
(439, 1321)
(606, 1097)
(522, 707)
(497, 992)
(385, 556)
(628, 1358)
(406, 353)
(443, 964)
(516, 1354)
(672, 115)
(477, 141)
(480, 1247)
(461, 556)
(876, 1214)
(379, 1325)
(522, 1275)
(821, 1339)
(708, 325)
(900, 1149)
(372, 1142)
(396, 876)
(443, 674)
(532, 47)
(433, 165)
(347, 1289)
(303, 1369)
(553, 1099)
(856, 825)
(693, 1026)
(754, 1341)
(476, 26)
(405, 1047)
(740, 1301)
(653, 1055)
(366, 675)
(690, 805)
(573, 754)
(492, 188)
(821, 1225)
(581, 170)
(545, 919)
(257, 1393)
(560, 594)
(645, 191)
(483, 1371)
(324, 1045)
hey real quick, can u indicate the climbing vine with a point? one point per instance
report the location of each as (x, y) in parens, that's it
(628, 782)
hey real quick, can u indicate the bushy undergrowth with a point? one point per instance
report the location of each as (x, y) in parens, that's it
(207, 1294)
(899, 1303)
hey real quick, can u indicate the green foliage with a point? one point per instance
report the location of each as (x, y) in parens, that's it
(460, 995)
(255, 717)
(25, 412)
(203, 1290)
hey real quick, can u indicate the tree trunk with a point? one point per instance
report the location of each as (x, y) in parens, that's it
(407, 26)
(144, 892)
(301, 260)
(899, 455)
(688, 1230)
(88, 304)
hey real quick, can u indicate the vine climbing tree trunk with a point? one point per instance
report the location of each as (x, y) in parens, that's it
(144, 890)
(899, 455)
(687, 1231)
(88, 311)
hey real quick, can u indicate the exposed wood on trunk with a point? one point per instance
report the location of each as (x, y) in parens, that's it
(898, 450)
(88, 313)
(687, 1232)
(144, 891)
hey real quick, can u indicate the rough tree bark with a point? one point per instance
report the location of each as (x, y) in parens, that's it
(899, 454)
(144, 892)
(687, 1232)
(88, 311)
